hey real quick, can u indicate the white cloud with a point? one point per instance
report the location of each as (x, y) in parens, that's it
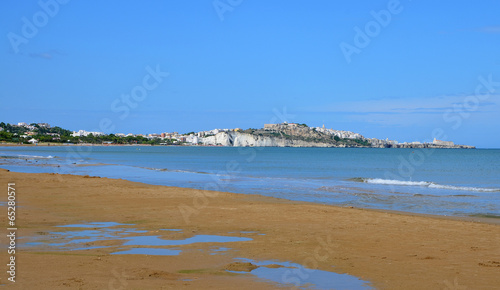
(489, 29)
(46, 55)
(414, 105)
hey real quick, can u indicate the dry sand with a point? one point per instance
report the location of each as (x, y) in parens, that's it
(391, 250)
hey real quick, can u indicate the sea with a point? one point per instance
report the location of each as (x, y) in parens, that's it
(450, 182)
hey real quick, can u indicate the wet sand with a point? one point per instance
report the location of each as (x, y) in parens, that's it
(391, 250)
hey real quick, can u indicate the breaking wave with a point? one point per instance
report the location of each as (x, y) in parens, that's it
(422, 184)
(22, 156)
(172, 170)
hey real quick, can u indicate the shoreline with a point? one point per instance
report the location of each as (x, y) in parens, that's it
(392, 250)
(483, 218)
(471, 219)
(192, 145)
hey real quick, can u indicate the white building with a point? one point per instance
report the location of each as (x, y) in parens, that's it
(81, 133)
(193, 139)
(442, 143)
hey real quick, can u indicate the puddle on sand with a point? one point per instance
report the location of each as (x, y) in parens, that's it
(291, 274)
(218, 250)
(284, 273)
(82, 239)
(95, 225)
(149, 251)
(75, 240)
(89, 248)
(135, 231)
(34, 243)
(156, 241)
(247, 232)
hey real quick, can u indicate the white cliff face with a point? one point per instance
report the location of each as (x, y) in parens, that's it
(248, 140)
(208, 140)
(340, 133)
(299, 135)
(244, 140)
(221, 138)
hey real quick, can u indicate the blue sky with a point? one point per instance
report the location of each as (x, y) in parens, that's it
(412, 66)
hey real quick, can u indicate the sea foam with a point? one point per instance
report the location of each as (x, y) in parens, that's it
(422, 184)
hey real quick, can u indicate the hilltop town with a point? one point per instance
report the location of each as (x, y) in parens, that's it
(301, 135)
(271, 135)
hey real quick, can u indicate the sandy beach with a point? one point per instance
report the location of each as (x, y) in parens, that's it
(390, 250)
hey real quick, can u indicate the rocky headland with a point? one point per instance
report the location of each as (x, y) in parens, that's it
(300, 135)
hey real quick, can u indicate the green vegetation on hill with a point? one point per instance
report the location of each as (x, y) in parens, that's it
(300, 132)
(13, 134)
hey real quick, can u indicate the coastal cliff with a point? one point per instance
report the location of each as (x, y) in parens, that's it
(245, 140)
(300, 135)
(272, 135)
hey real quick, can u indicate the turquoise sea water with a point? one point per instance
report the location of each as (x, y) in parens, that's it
(435, 181)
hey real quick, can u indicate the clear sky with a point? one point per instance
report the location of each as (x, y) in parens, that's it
(385, 69)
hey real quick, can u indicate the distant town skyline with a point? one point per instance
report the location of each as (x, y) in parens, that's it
(384, 69)
(192, 137)
(283, 134)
